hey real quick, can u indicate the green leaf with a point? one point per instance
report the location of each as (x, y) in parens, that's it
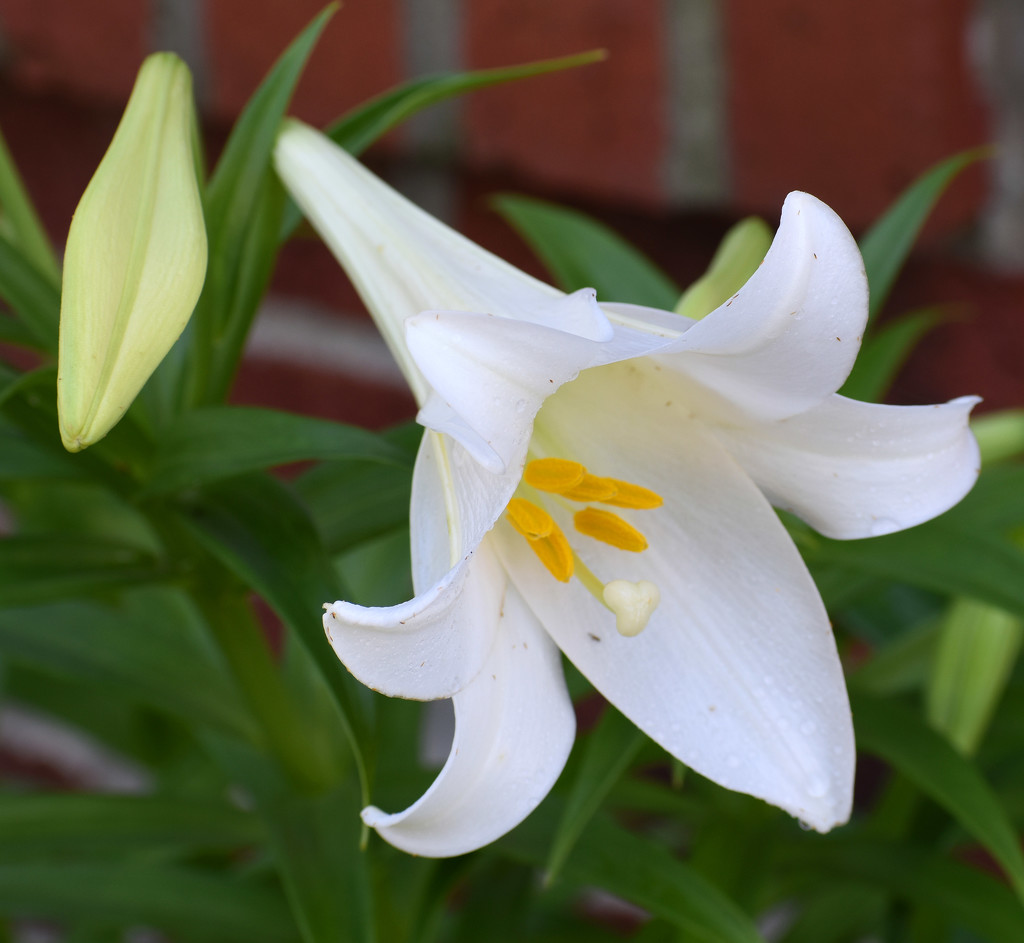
(194, 904)
(886, 245)
(949, 555)
(13, 331)
(316, 842)
(242, 206)
(641, 870)
(40, 568)
(962, 894)
(82, 827)
(23, 458)
(359, 128)
(216, 442)
(884, 352)
(21, 219)
(151, 649)
(1000, 435)
(927, 759)
(583, 253)
(257, 529)
(609, 750)
(32, 296)
(356, 501)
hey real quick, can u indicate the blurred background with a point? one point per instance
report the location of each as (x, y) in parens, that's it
(704, 111)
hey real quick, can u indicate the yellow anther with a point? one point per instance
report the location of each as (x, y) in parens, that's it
(591, 488)
(543, 535)
(553, 474)
(628, 495)
(609, 528)
(555, 553)
(531, 521)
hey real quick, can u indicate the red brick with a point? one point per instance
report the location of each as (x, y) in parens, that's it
(595, 131)
(356, 57)
(88, 48)
(850, 100)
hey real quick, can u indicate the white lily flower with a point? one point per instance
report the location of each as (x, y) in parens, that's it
(658, 444)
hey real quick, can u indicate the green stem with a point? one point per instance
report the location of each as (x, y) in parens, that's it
(242, 642)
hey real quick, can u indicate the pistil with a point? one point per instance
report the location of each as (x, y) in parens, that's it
(566, 481)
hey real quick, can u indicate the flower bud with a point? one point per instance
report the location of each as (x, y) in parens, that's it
(135, 258)
(736, 259)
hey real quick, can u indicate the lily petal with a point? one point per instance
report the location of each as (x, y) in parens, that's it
(854, 469)
(736, 672)
(789, 337)
(401, 260)
(494, 374)
(514, 727)
(431, 646)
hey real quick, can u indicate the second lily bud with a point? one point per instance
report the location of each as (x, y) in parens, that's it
(136, 256)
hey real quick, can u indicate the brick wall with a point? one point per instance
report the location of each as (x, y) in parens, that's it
(703, 111)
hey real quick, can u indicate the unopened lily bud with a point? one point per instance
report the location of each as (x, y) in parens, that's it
(135, 259)
(736, 259)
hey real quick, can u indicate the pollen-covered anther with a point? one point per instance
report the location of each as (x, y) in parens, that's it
(632, 603)
(592, 488)
(553, 475)
(531, 521)
(609, 528)
(628, 495)
(544, 537)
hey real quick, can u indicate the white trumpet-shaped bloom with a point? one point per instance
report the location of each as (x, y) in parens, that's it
(599, 479)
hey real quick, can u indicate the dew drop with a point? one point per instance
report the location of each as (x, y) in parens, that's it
(732, 760)
(817, 787)
(808, 727)
(882, 526)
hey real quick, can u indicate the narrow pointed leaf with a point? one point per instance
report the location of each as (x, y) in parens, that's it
(926, 758)
(948, 555)
(886, 245)
(216, 442)
(610, 748)
(83, 827)
(316, 842)
(13, 331)
(1000, 435)
(355, 501)
(359, 128)
(580, 252)
(189, 903)
(964, 895)
(256, 528)
(149, 650)
(33, 297)
(22, 458)
(20, 216)
(243, 206)
(39, 569)
(640, 870)
(884, 352)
